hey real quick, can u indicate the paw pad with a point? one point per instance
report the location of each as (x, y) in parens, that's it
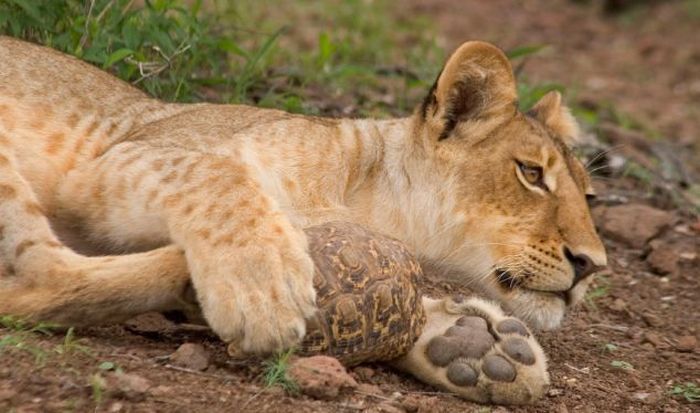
(498, 368)
(459, 341)
(462, 374)
(468, 347)
(512, 326)
(519, 350)
(473, 350)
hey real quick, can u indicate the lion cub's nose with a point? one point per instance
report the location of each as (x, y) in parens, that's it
(583, 265)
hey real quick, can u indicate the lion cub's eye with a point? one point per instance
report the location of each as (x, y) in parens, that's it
(532, 174)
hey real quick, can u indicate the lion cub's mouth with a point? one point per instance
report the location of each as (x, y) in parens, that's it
(509, 282)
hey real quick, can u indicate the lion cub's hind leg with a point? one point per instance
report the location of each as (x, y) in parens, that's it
(472, 349)
(43, 280)
(27, 243)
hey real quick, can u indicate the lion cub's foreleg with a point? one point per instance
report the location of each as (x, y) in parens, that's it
(248, 264)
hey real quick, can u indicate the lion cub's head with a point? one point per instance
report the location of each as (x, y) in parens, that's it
(513, 217)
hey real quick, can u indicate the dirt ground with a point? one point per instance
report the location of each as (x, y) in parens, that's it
(624, 350)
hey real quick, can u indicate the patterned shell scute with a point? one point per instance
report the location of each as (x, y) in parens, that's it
(369, 305)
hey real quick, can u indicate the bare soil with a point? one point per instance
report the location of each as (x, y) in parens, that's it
(622, 351)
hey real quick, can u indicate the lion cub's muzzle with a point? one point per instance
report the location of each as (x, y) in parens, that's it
(581, 264)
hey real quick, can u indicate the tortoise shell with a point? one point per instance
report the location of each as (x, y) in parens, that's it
(367, 294)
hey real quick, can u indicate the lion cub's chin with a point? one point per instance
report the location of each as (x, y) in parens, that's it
(541, 311)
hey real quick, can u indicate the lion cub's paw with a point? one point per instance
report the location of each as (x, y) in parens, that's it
(470, 348)
(260, 307)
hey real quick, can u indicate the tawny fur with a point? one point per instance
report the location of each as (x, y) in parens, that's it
(219, 194)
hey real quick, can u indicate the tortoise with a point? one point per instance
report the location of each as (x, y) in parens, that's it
(367, 295)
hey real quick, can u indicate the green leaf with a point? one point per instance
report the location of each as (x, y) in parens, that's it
(524, 51)
(325, 49)
(106, 366)
(229, 45)
(619, 364)
(117, 56)
(31, 10)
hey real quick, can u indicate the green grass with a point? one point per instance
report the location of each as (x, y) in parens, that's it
(689, 391)
(276, 372)
(621, 364)
(20, 336)
(283, 54)
(600, 288)
(609, 348)
(24, 336)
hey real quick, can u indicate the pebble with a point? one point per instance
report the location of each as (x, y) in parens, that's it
(7, 394)
(411, 403)
(150, 323)
(634, 224)
(618, 305)
(116, 407)
(686, 344)
(364, 373)
(554, 392)
(663, 260)
(654, 339)
(191, 356)
(321, 377)
(126, 385)
(368, 389)
(652, 320)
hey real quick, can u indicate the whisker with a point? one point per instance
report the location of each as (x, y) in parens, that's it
(601, 154)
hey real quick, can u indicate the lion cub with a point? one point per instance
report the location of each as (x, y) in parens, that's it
(220, 194)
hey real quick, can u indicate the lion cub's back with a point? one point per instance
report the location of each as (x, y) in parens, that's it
(32, 72)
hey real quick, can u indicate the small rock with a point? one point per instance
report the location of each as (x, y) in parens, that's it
(411, 403)
(364, 373)
(277, 391)
(191, 356)
(388, 407)
(161, 390)
(368, 389)
(686, 344)
(125, 385)
(7, 394)
(634, 224)
(427, 404)
(653, 338)
(562, 408)
(554, 392)
(663, 260)
(320, 377)
(652, 320)
(634, 333)
(116, 407)
(150, 323)
(618, 305)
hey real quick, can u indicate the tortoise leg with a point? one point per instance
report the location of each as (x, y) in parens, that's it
(470, 348)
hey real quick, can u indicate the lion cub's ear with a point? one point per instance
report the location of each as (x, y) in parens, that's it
(476, 82)
(556, 117)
